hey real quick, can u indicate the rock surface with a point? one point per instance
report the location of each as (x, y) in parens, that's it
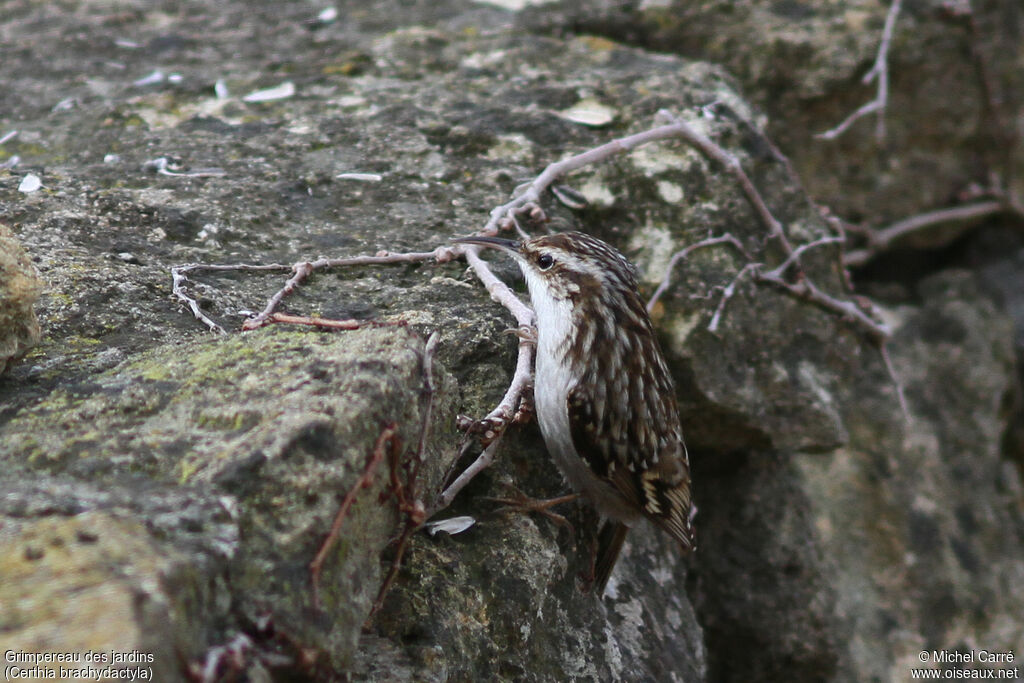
(19, 291)
(164, 489)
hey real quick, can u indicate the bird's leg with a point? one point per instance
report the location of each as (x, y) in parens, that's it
(521, 503)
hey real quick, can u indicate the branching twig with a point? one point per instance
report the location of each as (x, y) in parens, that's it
(806, 289)
(732, 165)
(493, 425)
(303, 269)
(300, 271)
(553, 172)
(794, 257)
(879, 71)
(684, 253)
(179, 276)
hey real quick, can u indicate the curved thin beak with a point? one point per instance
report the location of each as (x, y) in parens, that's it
(511, 246)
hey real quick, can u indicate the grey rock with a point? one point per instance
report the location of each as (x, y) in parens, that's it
(949, 121)
(145, 462)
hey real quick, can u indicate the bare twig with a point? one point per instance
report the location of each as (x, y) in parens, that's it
(482, 462)
(493, 425)
(533, 191)
(879, 71)
(794, 256)
(900, 394)
(314, 322)
(303, 269)
(365, 481)
(731, 164)
(803, 288)
(498, 290)
(882, 239)
(179, 276)
(728, 293)
(806, 289)
(684, 253)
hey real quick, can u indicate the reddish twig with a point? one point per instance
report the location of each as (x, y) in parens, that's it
(405, 494)
(415, 515)
(306, 320)
(879, 71)
(365, 481)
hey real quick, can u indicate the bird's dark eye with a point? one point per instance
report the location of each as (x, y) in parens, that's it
(545, 261)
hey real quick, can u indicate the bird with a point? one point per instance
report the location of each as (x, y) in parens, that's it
(603, 394)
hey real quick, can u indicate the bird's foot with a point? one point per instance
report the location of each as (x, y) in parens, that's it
(519, 502)
(526, 333)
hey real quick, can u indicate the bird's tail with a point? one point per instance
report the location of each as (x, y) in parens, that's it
(609, 543)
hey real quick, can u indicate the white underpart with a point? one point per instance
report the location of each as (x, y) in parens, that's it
(553, 381)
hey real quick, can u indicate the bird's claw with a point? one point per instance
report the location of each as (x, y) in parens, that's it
(521, 503)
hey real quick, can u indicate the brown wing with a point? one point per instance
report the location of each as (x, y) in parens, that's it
(649, 470)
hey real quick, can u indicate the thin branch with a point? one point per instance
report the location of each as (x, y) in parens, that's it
(325, 323)
(498, 290)
(806, 289)
(882, 239)
(179, 276)
(880, 71)
(303, 269)
(481, 463)
(553, 172)
(900, 394)
(728, 293)
(684, 253)
(493, 425)
(794, 257)
(731, 164)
